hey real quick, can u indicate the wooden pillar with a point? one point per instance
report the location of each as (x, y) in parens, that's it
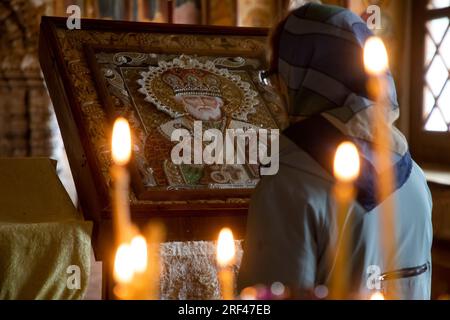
(25, 109)
(257, 13)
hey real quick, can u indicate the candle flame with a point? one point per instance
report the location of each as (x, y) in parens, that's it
(225, 248)
(130, 258)
(377, 296)
(249, 293)
(346, 162)
(123, 269)
(139, 253)
(376, 59)
(121, 142)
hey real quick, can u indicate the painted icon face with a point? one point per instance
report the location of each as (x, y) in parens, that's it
(203, 108)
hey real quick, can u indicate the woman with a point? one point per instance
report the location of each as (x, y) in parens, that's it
(317, 62)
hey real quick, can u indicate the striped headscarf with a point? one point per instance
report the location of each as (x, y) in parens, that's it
(320, 59)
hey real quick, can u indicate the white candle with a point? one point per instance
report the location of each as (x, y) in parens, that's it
(346, 171)
(377, 296)
(376, 61)
(136, 268)
(130, 270)
(226, 252)
(155, 234)
(127, 252)
(121, 154)
(123, 273)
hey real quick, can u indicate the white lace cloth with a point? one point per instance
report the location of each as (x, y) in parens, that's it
(189, 270)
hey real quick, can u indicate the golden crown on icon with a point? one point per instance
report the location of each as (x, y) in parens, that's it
(188, 76)
(192, 82)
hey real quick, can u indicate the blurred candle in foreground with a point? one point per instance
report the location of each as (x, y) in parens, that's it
(226, 252)
(377, 296)
(123, 269)
(123, 273)
(139, 254)
(346, 171)
(156, 234)
(121, 142)
(249, 293)
(130, 266)
(135, 280)
(139, 261)
(121, 154)
(376, 62)
(346, 163)
(127, 251)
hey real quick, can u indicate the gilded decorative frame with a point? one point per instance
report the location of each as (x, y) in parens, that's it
(70, 73)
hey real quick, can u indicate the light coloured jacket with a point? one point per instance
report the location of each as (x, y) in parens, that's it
(291, 229)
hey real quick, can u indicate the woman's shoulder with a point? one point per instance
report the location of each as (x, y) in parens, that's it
(297, 183)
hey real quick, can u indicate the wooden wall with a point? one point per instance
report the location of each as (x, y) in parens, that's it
(25, 109)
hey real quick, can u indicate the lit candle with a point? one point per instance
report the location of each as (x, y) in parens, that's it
(377, 65)
(130, 268)
(155, 234)
(376, 60)
(134, 278)
(138, 248)
(123, 272)
(377, 296)
(139, 261)
(249, 293)
(346, 171)
(226, 252)
(128, 248)
(123, 269)
(121, 154)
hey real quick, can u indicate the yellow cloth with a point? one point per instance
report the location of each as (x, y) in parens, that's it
(42, 234)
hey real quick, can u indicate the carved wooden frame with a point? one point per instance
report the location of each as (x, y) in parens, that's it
(83, 124)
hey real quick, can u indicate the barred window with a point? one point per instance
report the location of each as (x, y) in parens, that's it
(430, 118)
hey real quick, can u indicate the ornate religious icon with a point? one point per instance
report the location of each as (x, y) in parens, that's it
(160, 78)
(161, 93)
(188, 91)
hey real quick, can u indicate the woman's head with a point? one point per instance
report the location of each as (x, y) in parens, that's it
(317, 64)
(277, 31)
(317, 55)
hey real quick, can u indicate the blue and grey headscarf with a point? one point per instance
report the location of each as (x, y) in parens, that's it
(320, 59)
